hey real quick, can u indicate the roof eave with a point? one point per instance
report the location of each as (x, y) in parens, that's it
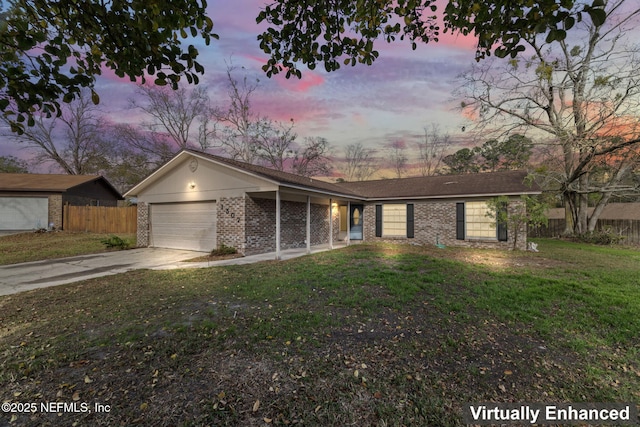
(451, 196)
(326, 193)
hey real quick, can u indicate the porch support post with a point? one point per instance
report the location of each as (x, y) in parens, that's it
(348, 223)
(330, 224)
(277, 224)
(308, 224)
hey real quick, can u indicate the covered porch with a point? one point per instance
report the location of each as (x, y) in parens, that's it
(301, 219)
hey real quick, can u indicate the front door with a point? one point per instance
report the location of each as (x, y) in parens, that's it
(355, 222)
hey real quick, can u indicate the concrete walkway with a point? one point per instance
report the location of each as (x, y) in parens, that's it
(16, 278)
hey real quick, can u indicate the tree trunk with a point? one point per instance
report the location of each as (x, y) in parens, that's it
(620, 175)
(583, 204)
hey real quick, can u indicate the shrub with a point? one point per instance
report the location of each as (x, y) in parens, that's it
(115, 242)
(605, 236)
(224, 250)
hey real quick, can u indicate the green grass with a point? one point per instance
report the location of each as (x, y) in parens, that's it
(370, 335)
(25, 247)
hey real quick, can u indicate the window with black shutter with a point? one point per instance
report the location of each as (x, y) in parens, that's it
(410, 220)
(502, 225)
(460, 221)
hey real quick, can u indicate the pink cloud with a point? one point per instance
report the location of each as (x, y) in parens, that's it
(309, 78)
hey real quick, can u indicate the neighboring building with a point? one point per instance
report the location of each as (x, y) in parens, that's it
(33, 201)
(622, 219)
(199, 201)
(612, 211)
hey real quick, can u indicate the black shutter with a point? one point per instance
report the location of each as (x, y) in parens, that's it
(378, 220)
(460, 221)
(502, 225)
(410, 220)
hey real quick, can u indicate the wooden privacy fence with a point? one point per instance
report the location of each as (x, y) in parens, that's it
(627, 228)
(101, 219)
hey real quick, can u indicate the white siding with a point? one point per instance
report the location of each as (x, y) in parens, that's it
(190, 226)
(24, 213)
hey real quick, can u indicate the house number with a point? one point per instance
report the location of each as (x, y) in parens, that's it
(233, 214)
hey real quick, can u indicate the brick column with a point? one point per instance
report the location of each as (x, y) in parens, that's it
(143, 225)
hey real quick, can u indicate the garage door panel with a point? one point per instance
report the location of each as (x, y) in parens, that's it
(23, 213)
(184, 226)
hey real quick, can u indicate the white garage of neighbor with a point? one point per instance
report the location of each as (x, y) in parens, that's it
(190, 226)
(24, 213)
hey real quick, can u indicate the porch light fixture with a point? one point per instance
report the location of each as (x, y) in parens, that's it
(192, 185)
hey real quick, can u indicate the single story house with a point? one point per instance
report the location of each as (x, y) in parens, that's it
(32, 201)
(200, 201)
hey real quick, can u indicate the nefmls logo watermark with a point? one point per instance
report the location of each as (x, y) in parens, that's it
(551, 413)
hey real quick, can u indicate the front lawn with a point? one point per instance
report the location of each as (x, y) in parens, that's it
(369, 335)
(32, 246)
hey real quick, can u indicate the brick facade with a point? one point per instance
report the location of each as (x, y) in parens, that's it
(260, 226)
(230, 230)
(260, 230)
(55, 211)
(249, 225)
(143, 238)
(436, 222)
(319, 224)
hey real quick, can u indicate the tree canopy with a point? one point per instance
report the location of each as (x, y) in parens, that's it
(326, 33)
(50, 50)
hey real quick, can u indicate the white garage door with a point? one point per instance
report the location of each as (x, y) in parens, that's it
(24, 213)
(189, 226)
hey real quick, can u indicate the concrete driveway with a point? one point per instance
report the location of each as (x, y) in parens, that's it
(16, 278)
(38, 274)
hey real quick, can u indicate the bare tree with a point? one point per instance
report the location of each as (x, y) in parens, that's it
(239, 123)
(182, 114)
(312, 159)
(359, 162)
(273, 143)
(157, 148)
(245, 135)
(581, 96)
(398, 156)
(72, 141)
(431, 149)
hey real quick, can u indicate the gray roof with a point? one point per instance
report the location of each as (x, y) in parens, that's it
(48, 183)
(483, 184)
(279, 176)
(620, 211)
(490, 184)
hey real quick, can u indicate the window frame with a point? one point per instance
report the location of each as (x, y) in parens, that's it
(394, 220)
(404, 216)
(465, 211)
(484, 226)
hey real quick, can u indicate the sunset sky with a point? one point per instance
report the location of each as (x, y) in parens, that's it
(392, 100)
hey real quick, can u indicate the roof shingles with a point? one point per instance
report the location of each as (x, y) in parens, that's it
(42, 182)
(485, 184)
(495, 183)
